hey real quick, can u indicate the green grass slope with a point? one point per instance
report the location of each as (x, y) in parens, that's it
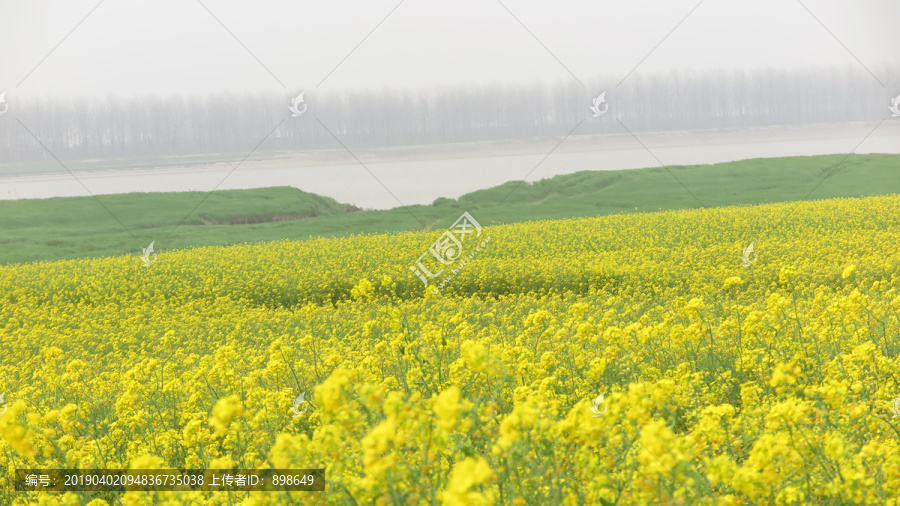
(62, 228)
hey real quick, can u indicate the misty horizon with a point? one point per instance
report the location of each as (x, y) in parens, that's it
(109, 86)
(223, 122)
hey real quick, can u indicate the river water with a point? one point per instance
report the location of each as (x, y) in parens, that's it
(390, 177)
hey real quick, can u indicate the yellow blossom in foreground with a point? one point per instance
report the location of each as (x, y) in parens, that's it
(848, 271)
(447, 408)
(465, 477)
(721, 384)
(225, 410)
(732, 282)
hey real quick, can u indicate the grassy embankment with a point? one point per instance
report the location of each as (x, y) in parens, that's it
(76, 227)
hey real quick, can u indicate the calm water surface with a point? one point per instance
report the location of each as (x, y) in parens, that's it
(421, 177)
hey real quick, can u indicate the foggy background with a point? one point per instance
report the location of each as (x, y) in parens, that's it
(166, 47)
(227, 122)
(92, 80)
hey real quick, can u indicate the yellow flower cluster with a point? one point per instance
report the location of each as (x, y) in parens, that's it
(723, 384)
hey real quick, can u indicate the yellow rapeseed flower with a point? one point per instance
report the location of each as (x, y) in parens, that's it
(465, 476)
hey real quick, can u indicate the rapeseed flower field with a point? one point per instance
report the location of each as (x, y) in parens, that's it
(722, 384)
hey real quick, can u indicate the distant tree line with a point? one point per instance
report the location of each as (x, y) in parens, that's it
(155, 126)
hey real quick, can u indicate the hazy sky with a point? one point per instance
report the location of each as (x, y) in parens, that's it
(165, 47)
